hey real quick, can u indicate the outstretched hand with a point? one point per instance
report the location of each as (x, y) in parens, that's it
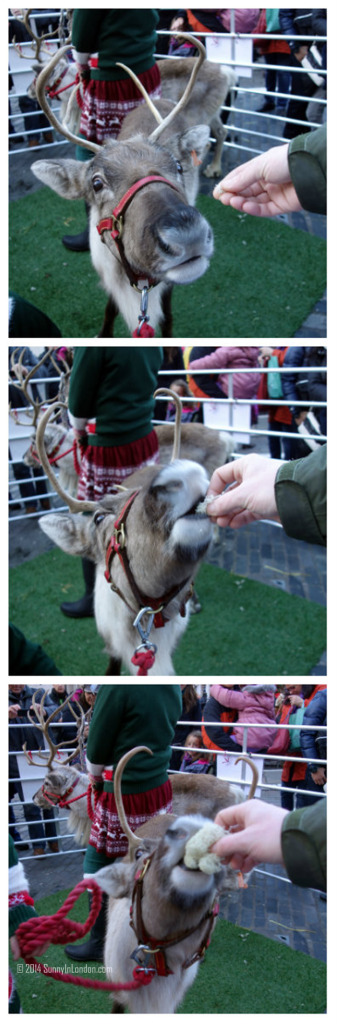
(254, 836)
(251, 491)
(262, 186)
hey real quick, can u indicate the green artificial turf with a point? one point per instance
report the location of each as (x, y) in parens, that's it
(242, 973)
(263, 280)
(245, 628)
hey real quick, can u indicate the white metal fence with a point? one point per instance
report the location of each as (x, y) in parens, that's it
(245, 134)
(221, 413)
(270, 788)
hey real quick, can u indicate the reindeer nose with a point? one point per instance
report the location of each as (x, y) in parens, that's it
(184, 235)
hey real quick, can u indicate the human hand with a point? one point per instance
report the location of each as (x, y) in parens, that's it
(177, 22)
(296, 700)
(319, 776)
(262, 186)
(16, 951)
(251, 494)
(301, 52)
(301, 417)
(81, 439)
(13, 710)
(254, 837)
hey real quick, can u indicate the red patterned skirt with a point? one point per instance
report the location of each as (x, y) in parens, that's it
(106, 835)
(103, 466)
(106, 104)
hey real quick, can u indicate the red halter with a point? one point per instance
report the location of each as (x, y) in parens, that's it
(114, 224)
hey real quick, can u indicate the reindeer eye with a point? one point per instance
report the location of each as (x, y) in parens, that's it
(97, 184)
(139, 853)
(98, 517)
(179, 167)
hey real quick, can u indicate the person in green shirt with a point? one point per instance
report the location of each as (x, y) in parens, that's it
(126, 716)
(114, 386)
(102, 37)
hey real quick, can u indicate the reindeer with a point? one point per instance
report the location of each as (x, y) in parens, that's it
(211, 90)
(140, 201)
(59, 439)
(159, 538)
(211, 448)
(64, 785)
(191, 794)
(172, 908)
(64, 75)
(209, 94)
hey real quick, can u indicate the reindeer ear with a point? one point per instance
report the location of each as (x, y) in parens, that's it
(194, 143)
(70, 533)
(116, 879)
(66, 177)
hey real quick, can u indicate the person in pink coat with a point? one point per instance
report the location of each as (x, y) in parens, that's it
(238, 357)
(254, 703)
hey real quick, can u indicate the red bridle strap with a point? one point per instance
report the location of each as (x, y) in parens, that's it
(114, 224)
(107, 224)
(118, 537)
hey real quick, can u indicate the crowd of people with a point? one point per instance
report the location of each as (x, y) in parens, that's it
(229, 718)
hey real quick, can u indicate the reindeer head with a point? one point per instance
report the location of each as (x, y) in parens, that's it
(163, 534)
(152, 231)
(155, 877)
(57, 783)
(163, 238)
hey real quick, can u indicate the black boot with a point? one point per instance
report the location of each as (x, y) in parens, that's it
(84, 608)
(93, 949)
(79, 243)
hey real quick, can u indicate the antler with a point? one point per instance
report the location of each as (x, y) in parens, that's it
(132, 838)
(73, 504)
(38, 40)
(164, 122)
(23, 380)
(177, 425)
(43, 724)
(40, 88)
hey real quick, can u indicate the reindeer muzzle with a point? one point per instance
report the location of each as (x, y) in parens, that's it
(114, 224)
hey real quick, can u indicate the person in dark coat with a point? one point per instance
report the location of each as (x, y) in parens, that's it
(40, 829)
(310, 387)
(192, 712)
(313, 745)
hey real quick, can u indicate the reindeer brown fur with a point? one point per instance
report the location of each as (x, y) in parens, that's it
(210, 92)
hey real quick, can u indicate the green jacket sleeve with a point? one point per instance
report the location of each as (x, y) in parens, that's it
(27, 658)
(307, 165)
(300, 492)
(86, 28)
(304, 845)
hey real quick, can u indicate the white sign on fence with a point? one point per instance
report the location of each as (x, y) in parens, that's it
(227, 769)
(219, 416)
(223, 49)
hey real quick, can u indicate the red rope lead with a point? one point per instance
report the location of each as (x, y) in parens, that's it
(39, 931)
(144, 660)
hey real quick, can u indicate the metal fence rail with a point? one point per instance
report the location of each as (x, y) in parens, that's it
(241, 135)
(228, 405)
(270, 790)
